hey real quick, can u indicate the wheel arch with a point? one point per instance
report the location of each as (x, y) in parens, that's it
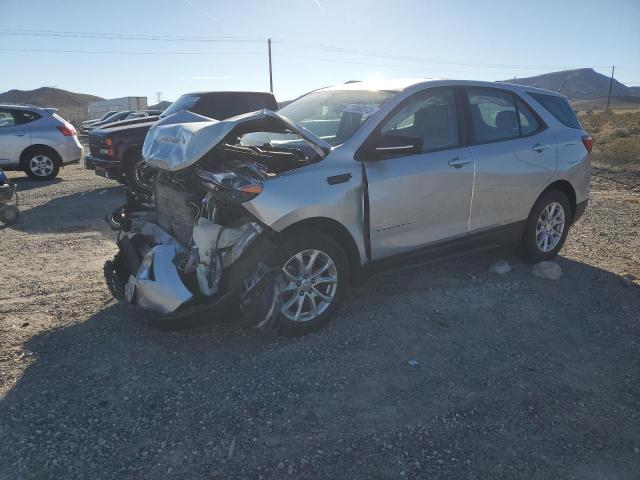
(24, 156)
(335, 230)
(565, 187)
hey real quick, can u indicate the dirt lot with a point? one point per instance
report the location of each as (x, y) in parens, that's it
(517, 377)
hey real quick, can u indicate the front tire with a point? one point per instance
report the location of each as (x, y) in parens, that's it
(316, 274)
(42, 164)
(547, 226)
(139, 176)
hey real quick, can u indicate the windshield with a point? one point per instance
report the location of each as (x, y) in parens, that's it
(332, 115)
(184, 102)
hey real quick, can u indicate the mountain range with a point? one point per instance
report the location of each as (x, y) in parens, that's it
(585, 87)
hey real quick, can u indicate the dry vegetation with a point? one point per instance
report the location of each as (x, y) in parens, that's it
(616, 136)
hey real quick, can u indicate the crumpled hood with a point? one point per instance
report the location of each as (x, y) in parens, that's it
(180, 140)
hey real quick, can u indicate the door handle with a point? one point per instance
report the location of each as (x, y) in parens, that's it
(459, 162)
(538, 147)
(21, 134)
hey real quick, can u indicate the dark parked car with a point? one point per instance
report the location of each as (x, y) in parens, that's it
(116, 150)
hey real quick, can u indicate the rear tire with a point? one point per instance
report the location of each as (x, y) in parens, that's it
(547, 226)
(41, 163)
(322, 280)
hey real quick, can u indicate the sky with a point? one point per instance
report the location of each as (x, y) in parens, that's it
(116, 48)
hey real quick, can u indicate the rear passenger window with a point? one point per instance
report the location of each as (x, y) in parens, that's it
(528, 121)
(6, 119)
(493, 115)
(22, 116)
(558, 107)
(430, 116)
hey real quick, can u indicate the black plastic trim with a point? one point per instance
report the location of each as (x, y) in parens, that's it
(336, 179)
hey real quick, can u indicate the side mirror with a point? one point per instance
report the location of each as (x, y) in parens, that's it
(389, 145)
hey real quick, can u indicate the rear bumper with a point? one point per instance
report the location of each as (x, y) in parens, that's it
(104, 167)
(71, 151)
(580, 209)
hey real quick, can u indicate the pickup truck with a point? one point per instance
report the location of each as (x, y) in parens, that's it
(115, 151)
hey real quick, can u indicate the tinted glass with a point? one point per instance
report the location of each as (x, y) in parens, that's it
(493, 115)
(184, 102)
(528, 121)
(430, 116)
(559, 107)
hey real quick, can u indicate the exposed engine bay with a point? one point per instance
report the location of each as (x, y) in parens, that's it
(191, 241)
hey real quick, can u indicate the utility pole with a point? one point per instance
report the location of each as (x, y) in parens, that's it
(270, 67)
(613, 69)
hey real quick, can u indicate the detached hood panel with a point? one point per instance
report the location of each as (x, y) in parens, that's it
(180, 140)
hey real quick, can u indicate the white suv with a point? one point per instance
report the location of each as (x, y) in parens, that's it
(37, 141)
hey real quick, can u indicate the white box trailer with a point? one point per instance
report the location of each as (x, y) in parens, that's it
(96, 109)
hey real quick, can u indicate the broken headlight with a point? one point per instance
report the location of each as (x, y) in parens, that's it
(235, 186)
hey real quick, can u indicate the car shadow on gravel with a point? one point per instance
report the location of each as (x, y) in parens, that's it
(71, 213)
(25, 183)
(511, 376)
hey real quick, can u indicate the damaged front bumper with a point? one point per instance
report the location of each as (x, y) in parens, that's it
(159, 276)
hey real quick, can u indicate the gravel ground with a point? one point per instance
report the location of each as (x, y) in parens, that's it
(514, 376)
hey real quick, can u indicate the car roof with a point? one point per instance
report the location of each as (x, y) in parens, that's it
(400, 84)
(28, 107)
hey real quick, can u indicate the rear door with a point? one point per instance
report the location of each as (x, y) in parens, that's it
(515, 157)
(420, 197)
(15, 136)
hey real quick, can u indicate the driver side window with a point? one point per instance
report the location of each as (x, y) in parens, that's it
(430, 116)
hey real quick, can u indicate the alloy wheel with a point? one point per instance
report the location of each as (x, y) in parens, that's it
(41, 165)
(550, 227)
(312, 281)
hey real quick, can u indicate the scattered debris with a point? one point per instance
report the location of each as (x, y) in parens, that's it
(413, 362)
(547, 269)
(25, 324)
(500, 267)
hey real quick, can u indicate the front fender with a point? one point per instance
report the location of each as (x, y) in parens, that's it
(305, 194)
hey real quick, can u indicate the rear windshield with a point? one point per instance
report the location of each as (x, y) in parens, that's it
(221, 105)
(559, 107)
(184, 102)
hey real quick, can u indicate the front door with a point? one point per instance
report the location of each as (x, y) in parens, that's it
(422, 196)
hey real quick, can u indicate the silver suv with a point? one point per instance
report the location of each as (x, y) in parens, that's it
(37, 141)
(282, 211)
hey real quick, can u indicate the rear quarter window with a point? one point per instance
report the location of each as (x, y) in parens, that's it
(559, 107)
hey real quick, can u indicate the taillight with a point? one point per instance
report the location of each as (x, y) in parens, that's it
(588, 142)
(67, 130)
(106, 147)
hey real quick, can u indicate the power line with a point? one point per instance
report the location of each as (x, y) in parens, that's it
(421, 59)
(118, 36)
(122, 52)
(371, 64)
(248, 39)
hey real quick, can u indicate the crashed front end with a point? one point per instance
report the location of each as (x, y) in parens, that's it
(192, 244)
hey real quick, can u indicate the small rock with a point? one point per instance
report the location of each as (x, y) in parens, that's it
(281, 466)
(25, 324)
(547, 269)
(629, 280)
(500, 267)
(290, 470)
